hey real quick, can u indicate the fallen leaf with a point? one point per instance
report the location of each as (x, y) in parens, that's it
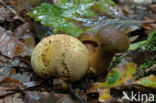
(116, 78)
(7, 84)
(153, 8)
(4, 92)
(45, 97)
(8, 79)
(36, 97)
(147, 82)
(32, 84)
(105, 96)
(25, 34)
(19, 44)
(76, 17)
(9, 45)
(15, 98)
(149, 24)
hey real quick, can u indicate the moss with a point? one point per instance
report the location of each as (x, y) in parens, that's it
(150, 45)
(151, 42)
(116, 61)
(148, 63)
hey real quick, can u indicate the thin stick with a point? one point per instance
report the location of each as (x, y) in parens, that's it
(12, 10)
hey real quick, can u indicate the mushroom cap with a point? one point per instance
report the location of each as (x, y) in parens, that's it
(113, 40)
(60, 55)
(87, 36)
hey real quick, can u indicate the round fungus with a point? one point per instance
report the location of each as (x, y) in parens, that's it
(60, 55)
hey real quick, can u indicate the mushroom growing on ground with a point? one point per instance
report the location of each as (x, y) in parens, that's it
(102, 47)
(60, 56)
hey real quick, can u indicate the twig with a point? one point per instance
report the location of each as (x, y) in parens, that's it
(150, 69)
(149, 22)
(12, 10)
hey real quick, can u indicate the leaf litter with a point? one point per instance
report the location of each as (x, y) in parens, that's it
(15, 46)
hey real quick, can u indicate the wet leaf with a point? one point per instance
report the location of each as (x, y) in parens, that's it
(148, 82)
(73, 18)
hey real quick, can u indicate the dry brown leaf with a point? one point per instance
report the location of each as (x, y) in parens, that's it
(19, 44)
(9, 45)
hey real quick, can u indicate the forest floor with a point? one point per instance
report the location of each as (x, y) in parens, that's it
(133, 71)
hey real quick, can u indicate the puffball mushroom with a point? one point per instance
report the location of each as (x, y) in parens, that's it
(102, 47)
(60, 55)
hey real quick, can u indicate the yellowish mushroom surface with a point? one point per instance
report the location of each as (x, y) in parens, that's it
(60, 55)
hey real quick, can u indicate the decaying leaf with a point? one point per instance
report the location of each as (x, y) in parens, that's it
(7, 84)
(105, 96)
(36, 97)
(147, 82)
(15, 81)
(12, 46)
(24, 33)
(150, 25)
(4, 92)
(15, 98)
(8, 79)
(12, 83)
(45, 97)
(5, 14)
(9, 45)
(116, 78)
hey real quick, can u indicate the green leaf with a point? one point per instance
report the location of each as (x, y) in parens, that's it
(149, 82)
(149, 44)
(120, 76)
(116, 78)
(70, 17)
(134, 46)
